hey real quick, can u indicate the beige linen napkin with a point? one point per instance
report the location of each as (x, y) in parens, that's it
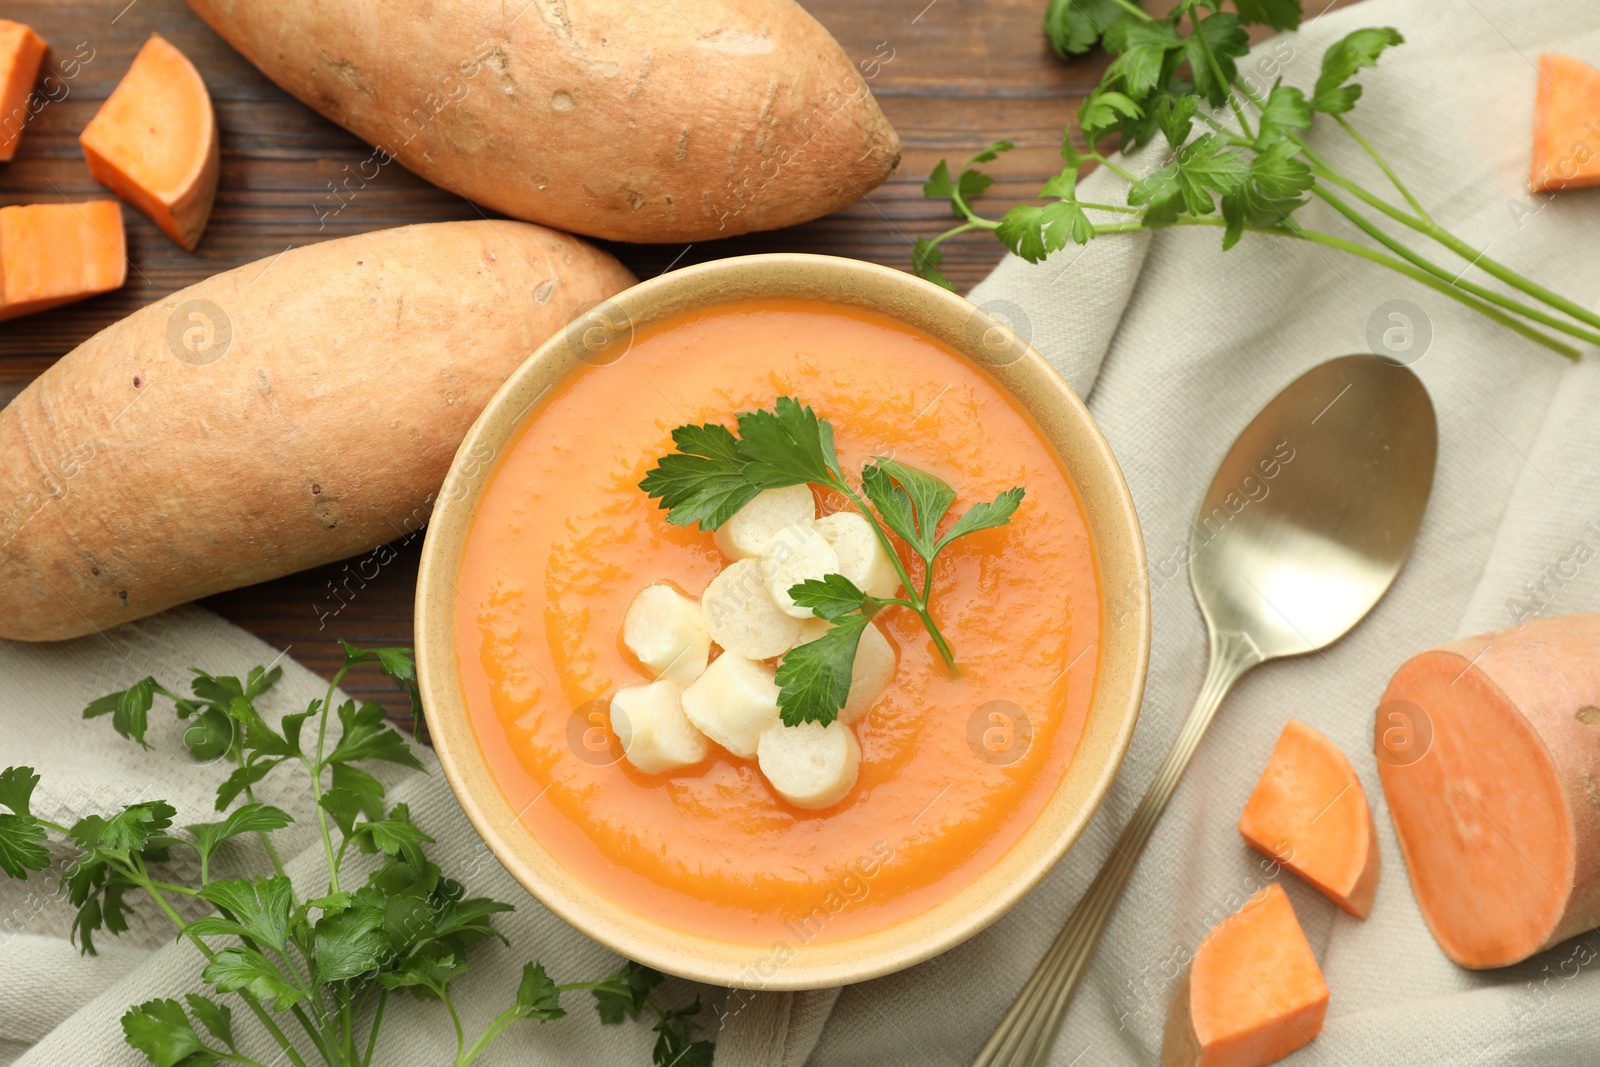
(1176, 346)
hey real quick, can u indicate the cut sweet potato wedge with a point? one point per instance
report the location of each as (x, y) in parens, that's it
(1309, 812)
(21, 52)
(154, 142)
(1252, 994)
(1499, 817)
(53, 254)
(1566, 125)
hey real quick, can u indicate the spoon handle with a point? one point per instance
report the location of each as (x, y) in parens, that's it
(1028, 1030)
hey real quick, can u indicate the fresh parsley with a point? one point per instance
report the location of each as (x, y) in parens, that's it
(790, 445)
(1238, 158)
(316, 973)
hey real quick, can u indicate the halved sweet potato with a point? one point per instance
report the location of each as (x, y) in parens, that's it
(154, 142)
(1566, 125)
(1309, 812)
(1499, 819)
(1252, 994)
(21, 52)
(53, 254)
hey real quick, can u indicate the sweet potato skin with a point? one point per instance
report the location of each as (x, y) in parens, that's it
(1548, 673)
(281, 415)
(649, 121)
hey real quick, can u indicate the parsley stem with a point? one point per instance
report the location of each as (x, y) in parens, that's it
(449, 1006)
(1399, 266)
(1489, 295)
(1120, 171)
(1383, 165)
(377, 1020)
(1134, 9)
(1453, 243)
(316, 778)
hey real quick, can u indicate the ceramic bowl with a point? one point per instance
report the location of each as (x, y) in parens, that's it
(601, 336)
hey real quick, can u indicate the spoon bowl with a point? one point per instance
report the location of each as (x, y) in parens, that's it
(1315, 507)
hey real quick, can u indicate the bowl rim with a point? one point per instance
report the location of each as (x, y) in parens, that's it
(1122, 657)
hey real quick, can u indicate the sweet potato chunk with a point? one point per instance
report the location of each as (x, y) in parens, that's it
(21, 52)
(154, 142)
(53, 254)
(1252, 994)
(1309, 812)
(1499, 819)
(1566, 125)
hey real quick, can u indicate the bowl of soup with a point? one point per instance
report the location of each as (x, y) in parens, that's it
(627, 789)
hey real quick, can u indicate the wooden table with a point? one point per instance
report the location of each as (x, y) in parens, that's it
(952, 75)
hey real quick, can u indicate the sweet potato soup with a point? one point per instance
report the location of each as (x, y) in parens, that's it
(952, 771)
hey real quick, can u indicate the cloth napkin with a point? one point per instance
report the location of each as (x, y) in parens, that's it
(1176, 346)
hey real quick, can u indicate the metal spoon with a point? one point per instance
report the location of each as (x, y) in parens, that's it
(1306, 524)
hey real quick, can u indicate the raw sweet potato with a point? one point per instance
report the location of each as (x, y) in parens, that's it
(283, 414)
(1309, 812)
(21, 52)
(1566, 125)
(1252, 994)
(653, 120)
(1498, 815)
(154, 142)
(53, 254)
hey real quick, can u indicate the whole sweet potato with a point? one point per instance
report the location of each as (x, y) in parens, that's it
(650, 120)
(278, 416)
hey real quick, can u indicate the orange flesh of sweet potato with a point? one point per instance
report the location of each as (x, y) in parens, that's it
(1499, 821)
(53, 254)
(21, 52)
(154, 142)
(1309, 812)
(1566, 125)
(1252, 994)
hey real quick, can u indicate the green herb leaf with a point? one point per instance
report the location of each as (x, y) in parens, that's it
(368, 736)
(703, 482)
(938, 186)
(233, 969)
(1175, 117)
(674, 1047)
(348, 943)
(249, 819)
(257, 909)
(925, 260)
(1227, 40)
(160, 1030)
(1075, 26)
(814, 678)
(22, 846)
(1102, 111)
(831, 596)
(242, 778)
(394, 836)
(929, 498)
(537, 996)
(1148, 51)
(368, 791)
(129, 709)
(1340, 63)
(626, 992)
(1279, 14)
(128, 831)
(216, 1018)
(786, 446)
(989, 516)
(993, 152)
(16, 788)
(1286, 109)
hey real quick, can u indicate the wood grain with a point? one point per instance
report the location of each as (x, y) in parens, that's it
(952, 75)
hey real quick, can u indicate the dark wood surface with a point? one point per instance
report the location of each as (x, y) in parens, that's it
(951, 75)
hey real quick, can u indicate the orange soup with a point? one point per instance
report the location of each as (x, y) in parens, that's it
(953, 770)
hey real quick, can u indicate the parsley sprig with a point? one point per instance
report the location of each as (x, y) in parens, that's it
(327, 964)
(714, 473)
(1178, 75)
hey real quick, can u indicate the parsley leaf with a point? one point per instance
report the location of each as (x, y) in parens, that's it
(22, 838)
(160, 1030)
(248, 819)
(1101, 112)
(703, 482)
(786, 446)
(831, 596)
(925, 260)
(235, 969)
(1222, 34)
(994, 514)
(814, 678)
(1279, 14)
(624, 993)
(537, 996)
(1075, 26)
(1341, 62)
(1286, 109)
(368, 736)
(256, 909)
